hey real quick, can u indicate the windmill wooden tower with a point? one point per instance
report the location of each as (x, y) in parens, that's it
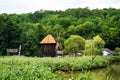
(48, 46)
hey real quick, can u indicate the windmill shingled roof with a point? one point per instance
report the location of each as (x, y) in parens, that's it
(48, 40)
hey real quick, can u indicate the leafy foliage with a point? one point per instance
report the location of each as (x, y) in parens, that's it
(9, 34)
(99, 42)
(16, 29)
(95, 46)
(33, 68)
(74, 43)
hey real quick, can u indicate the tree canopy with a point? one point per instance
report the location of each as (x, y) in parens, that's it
(74, 43)
(94, 46)
(29, 29)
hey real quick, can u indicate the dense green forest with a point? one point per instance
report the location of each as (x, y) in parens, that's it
(29, 29)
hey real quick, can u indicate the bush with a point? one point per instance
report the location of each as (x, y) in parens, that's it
(91, 49)
(117, 48)
(94, 46)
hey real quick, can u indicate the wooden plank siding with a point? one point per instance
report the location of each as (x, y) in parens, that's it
(48, 46)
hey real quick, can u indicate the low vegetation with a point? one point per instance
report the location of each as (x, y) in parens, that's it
(33, 68)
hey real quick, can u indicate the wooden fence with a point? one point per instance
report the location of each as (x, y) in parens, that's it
(12, 51)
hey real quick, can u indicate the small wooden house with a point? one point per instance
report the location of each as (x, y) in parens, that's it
(48, 46)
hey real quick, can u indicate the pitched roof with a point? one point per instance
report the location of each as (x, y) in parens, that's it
(48, 40)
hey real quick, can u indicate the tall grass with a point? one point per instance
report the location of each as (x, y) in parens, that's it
(34, 68)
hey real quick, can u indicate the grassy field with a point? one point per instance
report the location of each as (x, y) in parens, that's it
(34, 68)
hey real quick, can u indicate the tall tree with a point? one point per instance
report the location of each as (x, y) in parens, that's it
(74, 43)
(9, 35)
(94, 46)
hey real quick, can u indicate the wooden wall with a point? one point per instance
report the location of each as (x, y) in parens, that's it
(48, 50)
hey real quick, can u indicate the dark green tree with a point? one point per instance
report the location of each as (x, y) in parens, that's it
(9, 35)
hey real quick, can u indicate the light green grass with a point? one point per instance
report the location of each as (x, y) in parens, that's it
(35, 68)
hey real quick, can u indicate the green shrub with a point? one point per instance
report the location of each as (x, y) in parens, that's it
(91, 49)
(94, 46)
(117, 48)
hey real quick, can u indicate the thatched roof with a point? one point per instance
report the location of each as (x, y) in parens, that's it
(48, 40)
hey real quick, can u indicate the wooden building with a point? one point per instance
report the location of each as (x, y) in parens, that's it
(48, 46)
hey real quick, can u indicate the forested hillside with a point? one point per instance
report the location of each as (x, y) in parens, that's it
(29, 29)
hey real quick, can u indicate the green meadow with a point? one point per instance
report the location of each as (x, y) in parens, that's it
(35, 68)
